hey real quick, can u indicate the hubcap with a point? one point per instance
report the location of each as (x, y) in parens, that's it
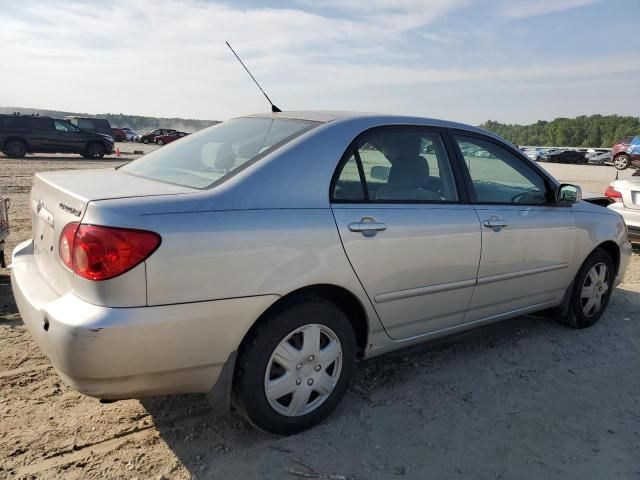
(621, 161)
(594, 289)
(303, 370)
(15, 149)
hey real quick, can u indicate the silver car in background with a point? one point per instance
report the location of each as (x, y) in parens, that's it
(258, 259)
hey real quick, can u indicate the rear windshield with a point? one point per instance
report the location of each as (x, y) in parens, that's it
(216, 153)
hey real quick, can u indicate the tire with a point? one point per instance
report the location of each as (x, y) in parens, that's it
(621, 162)
(94, 150)
(145, 141)
(15, 148)
(160, 142)
(296, 405)
(579, 315)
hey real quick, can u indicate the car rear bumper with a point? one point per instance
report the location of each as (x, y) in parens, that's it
(631, 218)
(117, 353)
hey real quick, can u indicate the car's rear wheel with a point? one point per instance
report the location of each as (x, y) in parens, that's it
(295, 367)
(15, 148)
(160, 142)
(591, 291)
(95, 150)
(621, 162)
(145, 141)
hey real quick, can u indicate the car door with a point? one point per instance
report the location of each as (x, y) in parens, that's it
(68, 137)
(527, 239)
(407, 228)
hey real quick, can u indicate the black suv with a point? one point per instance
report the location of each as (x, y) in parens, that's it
(21, 134)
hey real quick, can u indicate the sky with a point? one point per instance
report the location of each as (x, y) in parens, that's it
(514, 61)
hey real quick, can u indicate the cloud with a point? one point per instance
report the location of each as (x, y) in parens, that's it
(534, 8)
(168, 57)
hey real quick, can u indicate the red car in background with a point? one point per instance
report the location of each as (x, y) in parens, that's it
(119, 134)
(169, 137)
(626, 152)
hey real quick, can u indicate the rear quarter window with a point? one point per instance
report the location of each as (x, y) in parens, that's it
(206, 158)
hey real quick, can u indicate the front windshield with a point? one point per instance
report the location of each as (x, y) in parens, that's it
(204, 158)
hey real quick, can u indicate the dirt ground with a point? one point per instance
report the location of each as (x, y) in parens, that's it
(526, 398)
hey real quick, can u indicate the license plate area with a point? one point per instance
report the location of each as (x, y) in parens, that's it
(43, 242)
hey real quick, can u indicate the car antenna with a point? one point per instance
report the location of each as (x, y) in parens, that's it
(274, 109)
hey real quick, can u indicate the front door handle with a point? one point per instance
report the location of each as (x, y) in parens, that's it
(495, 223)
(368, 226)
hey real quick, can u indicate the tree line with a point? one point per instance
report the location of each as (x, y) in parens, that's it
(582, 131)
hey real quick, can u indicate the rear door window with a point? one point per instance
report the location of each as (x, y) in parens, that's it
(39, 123)
(390, 165)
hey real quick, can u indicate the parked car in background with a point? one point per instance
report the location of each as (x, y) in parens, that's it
(131, 134)
(602, 158)
(563, 156)
(626, 152)
(534, 153)
(626, 194)
(169, 137)
(22, 134)
(150, 137)
(144, 281)
(90, 124)
(4, 227)
(118, 134)
(593, 152)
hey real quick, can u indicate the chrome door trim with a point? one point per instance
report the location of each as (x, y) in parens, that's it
(521, 273)
(416, 292)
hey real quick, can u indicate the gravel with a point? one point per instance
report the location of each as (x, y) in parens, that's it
(526, 398)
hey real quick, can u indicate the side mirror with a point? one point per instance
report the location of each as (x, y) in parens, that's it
(380, 173)
(569, 194)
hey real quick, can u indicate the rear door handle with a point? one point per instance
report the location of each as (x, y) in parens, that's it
(368, 226)
(495, 223)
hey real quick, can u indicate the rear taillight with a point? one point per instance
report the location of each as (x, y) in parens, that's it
(99, 253)
(613, 193)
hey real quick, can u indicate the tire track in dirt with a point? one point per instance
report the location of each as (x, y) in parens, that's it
(80, 452)
(23, 370)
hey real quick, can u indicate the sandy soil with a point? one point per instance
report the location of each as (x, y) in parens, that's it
(527, 398)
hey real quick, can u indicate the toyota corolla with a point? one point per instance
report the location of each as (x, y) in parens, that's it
(259, 259)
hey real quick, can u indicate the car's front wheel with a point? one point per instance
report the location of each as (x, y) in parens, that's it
(591, 291)
(295, 367)
(621, 162)
(160, 142)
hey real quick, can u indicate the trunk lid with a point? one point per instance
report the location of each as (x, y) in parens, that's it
(58, 198)
(630, 190)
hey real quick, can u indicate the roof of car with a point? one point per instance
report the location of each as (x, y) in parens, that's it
(325, 116)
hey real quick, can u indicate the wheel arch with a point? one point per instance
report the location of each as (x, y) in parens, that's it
(15, 137)
(613, 250)
(339, 296)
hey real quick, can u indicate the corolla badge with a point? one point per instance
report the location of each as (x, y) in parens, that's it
(71, 210)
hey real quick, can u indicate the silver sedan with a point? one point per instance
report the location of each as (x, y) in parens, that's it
(259, 259)
(626, 196)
